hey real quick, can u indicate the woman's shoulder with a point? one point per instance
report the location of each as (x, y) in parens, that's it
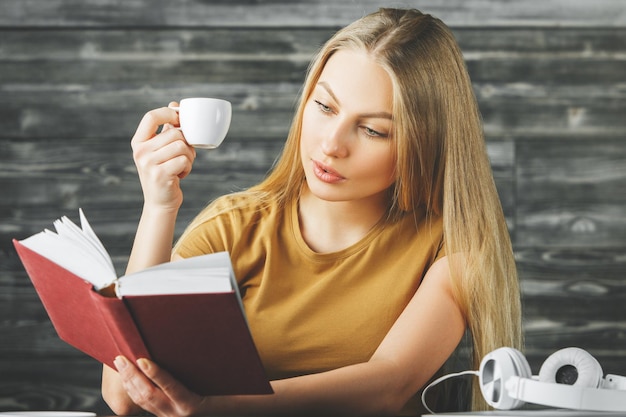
(243, 203)
(421, 223)
(418, 230)
(225, 221)
(239, 210)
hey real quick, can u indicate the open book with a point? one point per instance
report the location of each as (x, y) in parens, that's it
(186, 315)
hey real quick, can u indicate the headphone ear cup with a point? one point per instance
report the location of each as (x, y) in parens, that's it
(495, 369)
(572, 366)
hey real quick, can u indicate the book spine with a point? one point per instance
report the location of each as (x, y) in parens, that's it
(121, 327)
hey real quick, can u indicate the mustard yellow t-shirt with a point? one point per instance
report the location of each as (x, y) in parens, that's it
(311, 312)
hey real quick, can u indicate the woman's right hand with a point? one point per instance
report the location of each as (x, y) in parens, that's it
(162, 159)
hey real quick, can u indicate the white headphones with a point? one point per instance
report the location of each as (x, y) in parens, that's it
(570, 378)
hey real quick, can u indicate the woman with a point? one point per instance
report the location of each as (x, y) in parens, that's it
(375, 242)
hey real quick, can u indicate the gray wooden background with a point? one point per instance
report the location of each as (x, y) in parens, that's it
(77, 75)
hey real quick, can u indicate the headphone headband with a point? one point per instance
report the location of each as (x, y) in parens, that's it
(565, 396)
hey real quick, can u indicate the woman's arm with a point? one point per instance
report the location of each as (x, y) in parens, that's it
(420, 341)
(162, 161)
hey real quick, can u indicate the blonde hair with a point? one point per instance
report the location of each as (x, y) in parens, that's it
(442, 164)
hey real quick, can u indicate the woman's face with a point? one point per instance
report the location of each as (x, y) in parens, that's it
(346, 145)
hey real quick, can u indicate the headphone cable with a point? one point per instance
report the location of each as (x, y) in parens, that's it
(439, 380)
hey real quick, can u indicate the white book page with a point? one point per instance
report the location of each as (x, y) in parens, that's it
(93, 238)
(66, 253)
(201, 274)
(75, 250)
(68, 230)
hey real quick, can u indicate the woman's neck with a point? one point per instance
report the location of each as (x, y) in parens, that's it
(330, 226)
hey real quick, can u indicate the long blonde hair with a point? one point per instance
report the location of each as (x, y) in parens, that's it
(442, 164)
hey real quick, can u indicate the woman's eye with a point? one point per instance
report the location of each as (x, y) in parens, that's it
(373, 133)
(323, 107)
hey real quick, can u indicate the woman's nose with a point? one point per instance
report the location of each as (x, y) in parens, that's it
(335, 141)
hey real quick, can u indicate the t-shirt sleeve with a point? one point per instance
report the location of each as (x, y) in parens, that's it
(196, 242)
(214, 234)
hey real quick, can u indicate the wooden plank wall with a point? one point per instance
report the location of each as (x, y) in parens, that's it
(77, 75)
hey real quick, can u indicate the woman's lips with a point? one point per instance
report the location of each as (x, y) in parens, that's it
(325, 173)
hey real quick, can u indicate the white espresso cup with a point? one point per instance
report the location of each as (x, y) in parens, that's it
(204, 121)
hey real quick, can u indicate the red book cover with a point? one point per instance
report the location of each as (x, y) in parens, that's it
(201, 339)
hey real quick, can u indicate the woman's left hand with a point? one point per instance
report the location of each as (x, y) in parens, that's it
(155, 390)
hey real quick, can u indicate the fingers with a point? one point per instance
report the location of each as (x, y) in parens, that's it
(154, 389)
(167, 126)
(162, 159)
(146, 139)
(168, 151)
(139, 388)
(173, 389)
(151, 122)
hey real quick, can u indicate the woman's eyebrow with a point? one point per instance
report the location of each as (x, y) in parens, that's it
(329, 90)
(373, 115)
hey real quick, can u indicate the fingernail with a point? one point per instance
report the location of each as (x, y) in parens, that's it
(143, 364)
(120, 363)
